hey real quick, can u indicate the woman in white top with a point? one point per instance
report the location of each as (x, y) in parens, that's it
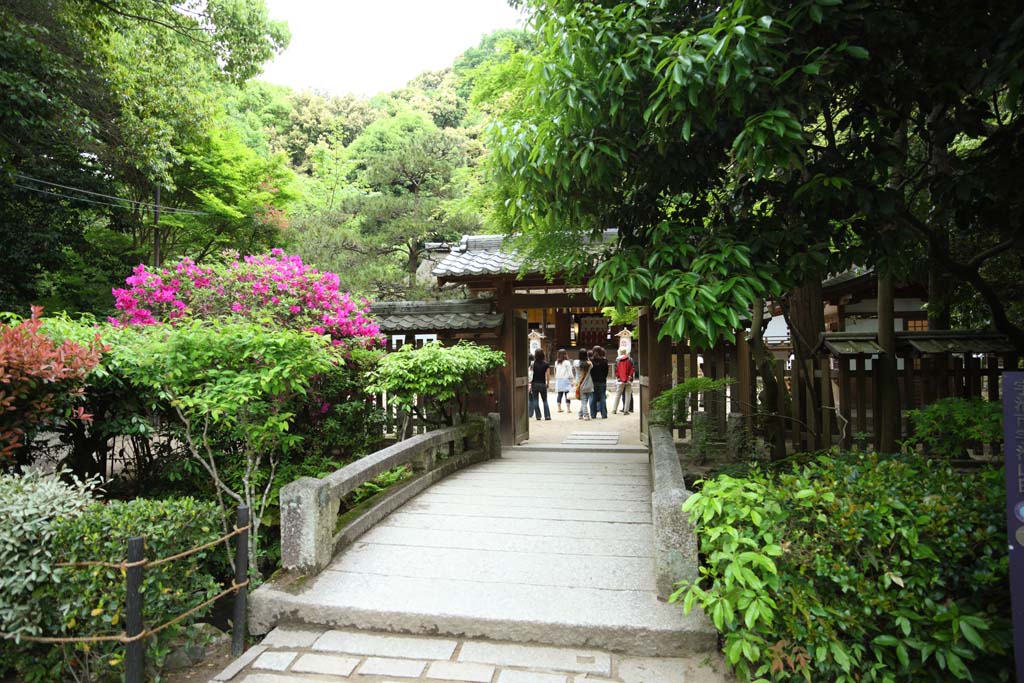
(565, 375)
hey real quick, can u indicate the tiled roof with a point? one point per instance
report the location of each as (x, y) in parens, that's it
(486, 255)
(407, 316)
(478, 255)
(926, 341)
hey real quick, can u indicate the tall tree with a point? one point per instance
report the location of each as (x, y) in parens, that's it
(751, 147)
(102, 96)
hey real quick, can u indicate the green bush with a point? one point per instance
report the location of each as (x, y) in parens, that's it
(674, 404)
(90, 600)
(443, 376)
(856, 568)
(948, 427)
(30, 507)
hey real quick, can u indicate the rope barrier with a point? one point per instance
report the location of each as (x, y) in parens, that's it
(156, 563)
(122, 638)
(130, 639)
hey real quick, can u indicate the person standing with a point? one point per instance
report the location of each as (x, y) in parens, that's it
(585, 385)
(599, 372)
(565, 375)
(624, 376)
(539, 385)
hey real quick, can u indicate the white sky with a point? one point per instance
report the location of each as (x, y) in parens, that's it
(366, 47)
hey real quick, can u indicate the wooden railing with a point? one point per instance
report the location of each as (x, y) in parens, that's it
(312, 531)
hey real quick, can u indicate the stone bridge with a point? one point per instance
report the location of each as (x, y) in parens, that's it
(539, 564)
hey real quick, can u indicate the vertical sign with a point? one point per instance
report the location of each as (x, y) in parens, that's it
(1013, 433)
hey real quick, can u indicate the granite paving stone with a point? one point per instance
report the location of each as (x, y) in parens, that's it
(274, 661)
(359, 643)
(333, 665)
(558, 658)
(284, 636)
(461, 671)
(384, 666)
(513, 676)
(652, 670)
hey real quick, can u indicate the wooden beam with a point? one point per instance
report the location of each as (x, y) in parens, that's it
(527, 301)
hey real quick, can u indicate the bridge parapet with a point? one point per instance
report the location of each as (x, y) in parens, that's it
(675, 541)
(311, 530)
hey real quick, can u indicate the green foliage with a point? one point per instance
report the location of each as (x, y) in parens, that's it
(380, 483)
(948, 427)
(31, 507)
(673, 405)
(90, 600)
(742, 149)
(234, 389)
(443, 376)
(113, 98)
(856, 568)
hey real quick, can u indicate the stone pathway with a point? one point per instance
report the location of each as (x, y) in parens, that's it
(533, 568)
(592, 438)
(546, 546)
(304, 655)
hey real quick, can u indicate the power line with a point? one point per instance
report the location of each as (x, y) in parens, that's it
(51, 193)
(133, 203)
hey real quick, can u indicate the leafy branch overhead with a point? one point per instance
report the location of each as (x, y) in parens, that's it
(747, 149)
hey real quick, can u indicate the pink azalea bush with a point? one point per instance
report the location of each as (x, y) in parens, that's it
(272, 286)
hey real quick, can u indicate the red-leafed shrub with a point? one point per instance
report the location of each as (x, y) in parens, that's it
(40, 380)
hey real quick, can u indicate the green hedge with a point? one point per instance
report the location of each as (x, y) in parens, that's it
(90, 600)
(948, 427)
(856, 568)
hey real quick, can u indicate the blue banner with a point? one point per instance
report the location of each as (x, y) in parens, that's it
(1013, 433)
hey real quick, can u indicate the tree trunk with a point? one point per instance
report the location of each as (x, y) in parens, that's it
(413, 263)
(775, 426)
(940, 293)
(886, 374)
(805, 314)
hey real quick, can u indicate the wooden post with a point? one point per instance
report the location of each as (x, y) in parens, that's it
(692, 363)
(909, 394)
(887, 392)
(844, 401)
(826, 410)
(745, 374)
(780, 398)
(134, 663)
(862, 394)
(992, 367)
(796, 406)
(241, 574)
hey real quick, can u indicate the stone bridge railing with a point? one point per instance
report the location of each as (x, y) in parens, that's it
(312, 531)
(675, 542)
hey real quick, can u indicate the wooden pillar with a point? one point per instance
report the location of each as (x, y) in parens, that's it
(862, 394)
(827, 396)
(506, 377)
(844, 402)
(563, 326)
(744, 391)
(796, 406)
(780, 396)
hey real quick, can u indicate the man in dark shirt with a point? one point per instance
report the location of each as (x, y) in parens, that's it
(539, 385)
(599, 373)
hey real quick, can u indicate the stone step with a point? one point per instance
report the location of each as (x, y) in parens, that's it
(631, 622)
(574, 448)
(547, 546)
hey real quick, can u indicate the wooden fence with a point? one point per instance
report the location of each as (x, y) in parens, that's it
(846, 383)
